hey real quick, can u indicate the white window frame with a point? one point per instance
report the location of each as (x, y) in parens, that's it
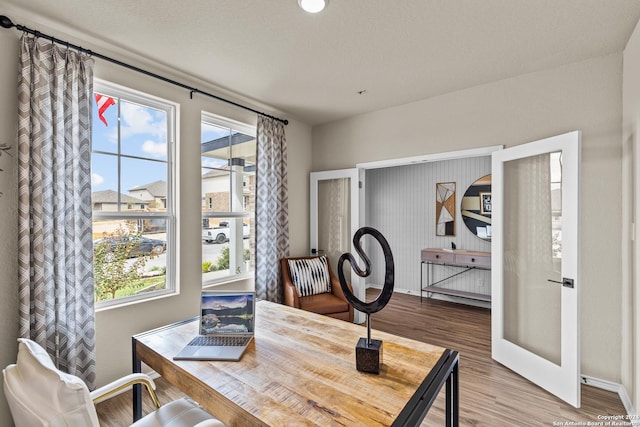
(173, 113)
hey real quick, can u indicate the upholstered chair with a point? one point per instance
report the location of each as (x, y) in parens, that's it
(309, 284)
(38, 394)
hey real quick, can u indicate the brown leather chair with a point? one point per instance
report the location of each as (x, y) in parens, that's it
(333, 304)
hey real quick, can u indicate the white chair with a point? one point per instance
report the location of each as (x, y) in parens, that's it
(41, 395)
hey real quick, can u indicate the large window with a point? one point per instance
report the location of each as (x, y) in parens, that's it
(133, 140)
(228, 163)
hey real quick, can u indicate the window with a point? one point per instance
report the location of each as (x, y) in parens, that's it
(228, 163)
(132, 181)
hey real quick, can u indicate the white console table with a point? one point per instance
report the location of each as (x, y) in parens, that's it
(465, 260)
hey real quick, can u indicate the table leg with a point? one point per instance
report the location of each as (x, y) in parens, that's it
(137, 388)
(421, 265)
(452, 399)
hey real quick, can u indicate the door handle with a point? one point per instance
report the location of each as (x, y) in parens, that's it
(566, 282)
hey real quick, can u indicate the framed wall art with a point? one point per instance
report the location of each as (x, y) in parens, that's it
(446, 209)
(485, 203)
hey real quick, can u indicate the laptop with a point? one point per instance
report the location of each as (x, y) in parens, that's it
(227, 322)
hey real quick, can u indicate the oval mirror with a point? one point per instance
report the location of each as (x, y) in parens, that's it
(476, 208)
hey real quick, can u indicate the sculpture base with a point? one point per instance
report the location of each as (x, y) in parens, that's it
(369, 356)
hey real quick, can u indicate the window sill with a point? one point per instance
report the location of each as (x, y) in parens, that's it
(232, 282)
(115, 304)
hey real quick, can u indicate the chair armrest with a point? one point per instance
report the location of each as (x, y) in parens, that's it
(290, 291)
(291, 296)
(107, 391)
(209, 423)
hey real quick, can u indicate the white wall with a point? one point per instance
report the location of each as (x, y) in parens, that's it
(584, 96)
(8, 211)
(115, 326)
(631, 251)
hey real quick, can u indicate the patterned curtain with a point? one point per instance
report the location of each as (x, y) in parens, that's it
(55, 242)
(272, 208)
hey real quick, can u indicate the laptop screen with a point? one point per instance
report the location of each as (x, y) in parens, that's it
(227, 312)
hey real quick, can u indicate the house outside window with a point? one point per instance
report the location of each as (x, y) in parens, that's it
(133, 146)
(228, 163)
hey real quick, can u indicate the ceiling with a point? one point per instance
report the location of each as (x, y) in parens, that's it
(312, 67)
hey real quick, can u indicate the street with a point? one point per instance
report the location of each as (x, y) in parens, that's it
(210, 252)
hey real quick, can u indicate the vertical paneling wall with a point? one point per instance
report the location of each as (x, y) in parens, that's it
(401, 204)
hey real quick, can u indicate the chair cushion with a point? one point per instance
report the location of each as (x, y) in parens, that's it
(39, 394)
(310, 276)
(179, 413)
(325, 303)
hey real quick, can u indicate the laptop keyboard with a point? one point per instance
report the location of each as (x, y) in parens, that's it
(220, 340)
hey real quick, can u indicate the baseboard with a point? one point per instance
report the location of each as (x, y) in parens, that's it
(632, 417)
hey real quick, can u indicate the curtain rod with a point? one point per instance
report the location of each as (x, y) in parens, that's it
(5, 22)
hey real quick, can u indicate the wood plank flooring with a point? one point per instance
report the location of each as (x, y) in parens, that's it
(490, 394)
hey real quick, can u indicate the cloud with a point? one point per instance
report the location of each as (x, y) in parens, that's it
(96, 179)
(138, 120)
(155, 149)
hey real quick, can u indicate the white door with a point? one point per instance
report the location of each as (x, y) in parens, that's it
(334, 219)
(535, 263)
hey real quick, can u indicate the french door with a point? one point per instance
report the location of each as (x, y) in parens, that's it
(535, 263)
(334, 219)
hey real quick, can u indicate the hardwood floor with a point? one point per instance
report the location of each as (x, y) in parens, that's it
(490, 394)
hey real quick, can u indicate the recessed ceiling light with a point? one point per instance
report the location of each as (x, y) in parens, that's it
(313, 6)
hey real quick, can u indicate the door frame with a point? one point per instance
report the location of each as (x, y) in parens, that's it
(355, 197)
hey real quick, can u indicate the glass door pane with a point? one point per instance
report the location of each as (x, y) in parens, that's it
(334, 220)
(532, 268)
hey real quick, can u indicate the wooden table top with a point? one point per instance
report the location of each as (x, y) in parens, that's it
(298, 371)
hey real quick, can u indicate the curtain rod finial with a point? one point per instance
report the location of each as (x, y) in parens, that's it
(5, 22)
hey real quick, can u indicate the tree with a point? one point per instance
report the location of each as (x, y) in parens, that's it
(222, 263)
(112, 267)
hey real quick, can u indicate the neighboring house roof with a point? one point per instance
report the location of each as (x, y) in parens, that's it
(156, 188)
(111, 196)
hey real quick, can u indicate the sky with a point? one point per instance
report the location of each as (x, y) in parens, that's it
(143, 133)
(229, 301)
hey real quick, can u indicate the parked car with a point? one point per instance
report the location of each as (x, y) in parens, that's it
(220, 234)
(136, 245)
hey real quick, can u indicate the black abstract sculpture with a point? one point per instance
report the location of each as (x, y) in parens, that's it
(368, 351)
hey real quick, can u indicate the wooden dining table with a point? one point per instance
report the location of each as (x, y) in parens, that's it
(300, 370)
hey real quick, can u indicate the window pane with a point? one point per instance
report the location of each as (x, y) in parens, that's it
(216, 190)
(105, 133)
(104, 182)
(143, 131)
(223, 253)
(216, 142)
(144, 182)
(227, 200)
(129, 257)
